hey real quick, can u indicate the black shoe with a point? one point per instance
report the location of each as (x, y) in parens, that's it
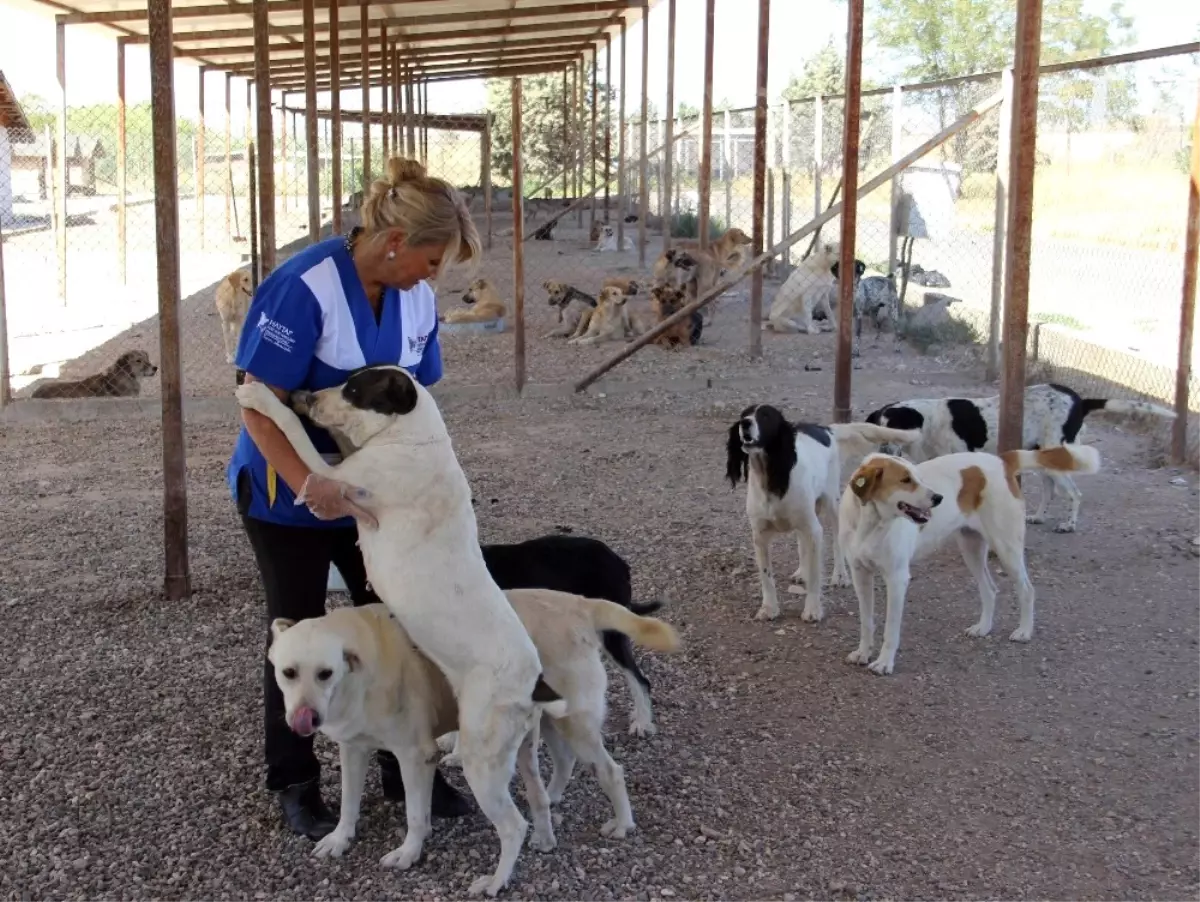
(447, 801)
(304, 813)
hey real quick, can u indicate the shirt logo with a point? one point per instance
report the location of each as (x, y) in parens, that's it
(417, 345)
(276, 333)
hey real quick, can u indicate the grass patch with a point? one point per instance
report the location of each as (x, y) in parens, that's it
(948, 331)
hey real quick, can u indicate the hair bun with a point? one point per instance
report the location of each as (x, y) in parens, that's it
(402, 169)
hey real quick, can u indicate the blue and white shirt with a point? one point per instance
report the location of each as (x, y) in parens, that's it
(308, 327)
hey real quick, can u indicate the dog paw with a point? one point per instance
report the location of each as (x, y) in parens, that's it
(840, 581)
(253, 395)
(812, 614)
(401, 859)
(614, 829)
(642, 729)
(1021, 634)
(452, 760)
(486, 884)
(766, 613)
(447, 741)
(883, 665)
(1065, 526)
(798, 578)
(1034, 518)
(543, 842)
(333, 845)
(979, 630)
(859, 656)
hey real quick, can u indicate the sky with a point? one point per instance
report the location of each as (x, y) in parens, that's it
(798, 29)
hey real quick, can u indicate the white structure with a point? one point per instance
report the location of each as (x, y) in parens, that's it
(12, 120)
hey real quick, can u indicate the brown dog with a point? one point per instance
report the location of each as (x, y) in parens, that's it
(728, 251)
(233, 300)
(627, 285)
(483, 305)
(666, 300)
(122, 379)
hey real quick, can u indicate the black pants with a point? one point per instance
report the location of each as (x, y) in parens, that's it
(293, 563)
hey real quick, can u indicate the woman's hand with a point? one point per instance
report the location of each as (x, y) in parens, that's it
(331, 499)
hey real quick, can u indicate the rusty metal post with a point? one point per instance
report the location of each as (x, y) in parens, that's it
(387, 106)
(818, 151)
(410, 106)
(335, 115)
(607, 121)
(364, 24)
(705, 186)
(200, 161)
(643, 180)
(311, 140)
(252, 191)
(518, 211)
(668, 170)
(486, 178)
(999, 238)
(266, 140)
(228, 154)
(122, 162)
(177, 584)
(595, 115)
(622, 188)
(60, 231)
(760, 174)
(425, 109)
(580, 127)
(1022, 163)
(770, 214)
(566, 138)
(1187, 308)
(285, 189)
(897, 132)
(849, 223)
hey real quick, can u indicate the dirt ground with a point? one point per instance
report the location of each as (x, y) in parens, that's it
(130, 764)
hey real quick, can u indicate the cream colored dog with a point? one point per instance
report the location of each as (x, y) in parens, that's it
(483, 305)
(356, 676)
(608, 240)
(806, 290)
(425, 563)
(893, 513)
(232, 298)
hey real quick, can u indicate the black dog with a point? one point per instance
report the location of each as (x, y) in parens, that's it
(587, 567)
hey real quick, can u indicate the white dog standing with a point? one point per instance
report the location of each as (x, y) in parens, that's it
(893, 513)
(425, 563)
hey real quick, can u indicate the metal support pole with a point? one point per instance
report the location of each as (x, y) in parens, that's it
(568, 154)
(387, 104)
(849, 223)
(310, 121)
(760, 172)
(1187, 308)
(669, 138)
(644, 183)
(228, 154)
(518, 211)
(335, 116)
(364, 24)
(999, 237)
(60, 231)
(486, 178)
(607, 121)
(595, 112)
(818, 151)
(622, 188)
(266, 141)
(200, 160)
(894, 231)
(705, 182)
(122, 168)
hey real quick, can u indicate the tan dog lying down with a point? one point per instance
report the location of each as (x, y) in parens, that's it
(356, 676)
(483, 305)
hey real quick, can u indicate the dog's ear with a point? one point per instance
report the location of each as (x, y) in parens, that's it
(834, 268)
(279, 625)
(865, 480)
(353, 661)
(859, 268)
(632, 288)
(391, 392)
(737, 461)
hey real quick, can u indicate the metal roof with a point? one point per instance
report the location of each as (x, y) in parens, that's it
(438, 40)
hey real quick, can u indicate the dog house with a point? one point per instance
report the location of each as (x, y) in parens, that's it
(13, 127)
(32, 158)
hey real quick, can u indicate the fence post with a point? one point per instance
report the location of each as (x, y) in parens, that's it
(60, 231)
(177, 584)
(770, 267)
(668, 160)
(311, 141)
(1187, 308)
(999, 237)
(199, 160)
(760, 172)
(849, 221)
(704, 183)
(518, 211)
(122, 184)
(364, 49)
(335, 113)
(595, 113)
(284, 189)
(622, 187)
(785, 181)
(5, 373)
(608, 122)
(818, 151)
(786, 213)
(568, 149)
(228, 154)
(486, 176)
(1020, 222)
(580, 98)
(644, 184)
(894, 229)
(252, 192)
(265, 141)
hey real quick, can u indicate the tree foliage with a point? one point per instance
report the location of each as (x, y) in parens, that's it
(823, 74)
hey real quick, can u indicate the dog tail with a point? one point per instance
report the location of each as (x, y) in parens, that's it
(1058, 459)
(545, 695)
(1125, 408)
(649, 632)
(861, 438)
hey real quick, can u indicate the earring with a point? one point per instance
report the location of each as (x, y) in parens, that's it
(391, 255)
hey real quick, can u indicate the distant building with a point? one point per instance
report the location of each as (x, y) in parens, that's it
(14, 127)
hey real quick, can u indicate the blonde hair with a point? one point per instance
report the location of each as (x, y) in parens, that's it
(428, 210)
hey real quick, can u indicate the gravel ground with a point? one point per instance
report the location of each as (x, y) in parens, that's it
(1065, 768)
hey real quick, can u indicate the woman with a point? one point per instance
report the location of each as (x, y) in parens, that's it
(338, 305)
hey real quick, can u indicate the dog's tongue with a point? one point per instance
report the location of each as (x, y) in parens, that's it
(302, 721)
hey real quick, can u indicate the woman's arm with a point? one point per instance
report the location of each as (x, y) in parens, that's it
(274, 444)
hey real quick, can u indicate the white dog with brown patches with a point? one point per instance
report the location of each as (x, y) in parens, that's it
(893, 513)
(425, 563)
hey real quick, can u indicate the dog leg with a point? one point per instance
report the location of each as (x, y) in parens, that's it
(584, 733)
(256, 396)
(620, 649)
(1071, 490)
(814, 556)
(535, 792)
(354, 777)
(801, 562)
(416, 770)
(1039, 516)
(762, 558)
(562, 757)
(974, 550)
(864, 588)
(1012, 556)
(449, 745)
(897, 587)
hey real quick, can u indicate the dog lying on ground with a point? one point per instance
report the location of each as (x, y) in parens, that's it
(667, 300)
(425, 563)
(607, 241)
(610, 321)
(1054, 415)
(232, 298)
(793, 471)
(356, 676)
(121, 380)
(483, 305)
(804, 293)
(893, 513)
(575, 309)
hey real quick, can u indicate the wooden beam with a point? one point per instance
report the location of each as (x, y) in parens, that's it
(201, 169)
(486, 178)
(122, 168)
(533, 64)
(335, 105)
(851, 129)
(607, 121)
(365, 43)
(266, 143)
(310, 124)
(622, 187)
(705, 187)
(1022, 164)
(177, 581)
(760, 173)
(568, 150)
(669, 154)
(410, 105)
(386, 104)
(518, 212)
(1187, 307)
(228, 192)
(323, 84)
(595, 113)
(644, 186)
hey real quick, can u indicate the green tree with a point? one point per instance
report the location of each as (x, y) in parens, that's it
(823, 74)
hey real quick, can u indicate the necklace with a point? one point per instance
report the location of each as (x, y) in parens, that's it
(351, 238)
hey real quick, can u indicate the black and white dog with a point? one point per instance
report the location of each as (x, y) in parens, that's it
(792, 473)
(1054, 415)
